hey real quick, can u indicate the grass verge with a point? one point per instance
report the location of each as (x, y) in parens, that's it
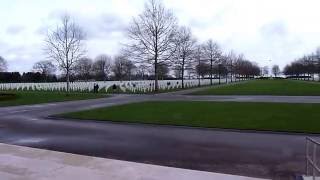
(229, 115)
(266, 87)
(15, 98)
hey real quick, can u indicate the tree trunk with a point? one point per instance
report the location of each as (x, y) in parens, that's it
(182, 80)
(68, 81)
(156, 85)
(219, 73)
(182, 74)
(231, 71)
(156, 76)
(199, 76)
(227, 78)
(211, 69)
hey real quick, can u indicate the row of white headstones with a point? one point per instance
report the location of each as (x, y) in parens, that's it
(125, 86)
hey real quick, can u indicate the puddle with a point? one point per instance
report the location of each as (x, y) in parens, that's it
(29, 141)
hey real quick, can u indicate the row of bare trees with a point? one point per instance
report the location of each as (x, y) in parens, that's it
(155, 39)
(102, 68)
(155, 42)
(305, 67)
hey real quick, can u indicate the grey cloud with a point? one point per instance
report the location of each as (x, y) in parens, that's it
(197, 23)
(20, 65)
(103, 26)
(16, 29)
(216, 20)
(57, 14)
(17, 50)
(275, 29)
(20, 57)
(275, 36)
(2, 44)
(112, 23)
(53, 16)
(96, 27)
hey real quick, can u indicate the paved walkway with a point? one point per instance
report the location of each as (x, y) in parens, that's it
(249, 154)
(22, 163)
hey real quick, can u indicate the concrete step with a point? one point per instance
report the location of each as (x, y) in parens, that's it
(310, 178)
(24, 163)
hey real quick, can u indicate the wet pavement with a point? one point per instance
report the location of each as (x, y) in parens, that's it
(265, 155)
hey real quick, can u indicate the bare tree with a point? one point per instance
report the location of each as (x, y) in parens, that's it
(185, 46)
(45, 67)
(163, 71)
(237, 66)
(198, 53)
(304, 67)
(212, 53)
(102, 67)
(129, 69)
(177, 73)
(275, 70)
(317, 62)
(231, 60)
(265, 71)
(143, 71)
(203, 69)
(65, 45)
(83, 67)
(3, 65)
(151, 36)
(122, 68)
(245, 68)
(223, 67)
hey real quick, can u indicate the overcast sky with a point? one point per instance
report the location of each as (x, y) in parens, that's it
(277, 30)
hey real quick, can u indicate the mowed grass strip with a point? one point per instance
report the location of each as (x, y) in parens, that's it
(230, 115)
(37, 97)
(266, 87)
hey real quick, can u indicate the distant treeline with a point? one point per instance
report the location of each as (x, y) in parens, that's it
(305, 67)
(16, 77)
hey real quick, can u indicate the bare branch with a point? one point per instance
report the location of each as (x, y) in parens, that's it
(65, 45)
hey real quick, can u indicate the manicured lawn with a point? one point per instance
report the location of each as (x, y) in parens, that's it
(254, 116)
(32, 97)
(266, 87)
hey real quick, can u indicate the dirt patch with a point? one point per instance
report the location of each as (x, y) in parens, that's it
(7, 96)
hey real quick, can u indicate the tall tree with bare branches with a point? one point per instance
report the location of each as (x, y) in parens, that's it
(317, 62)
(122, 67)
(231, 60)
(151, 36)
(45, 67)
(83, 68)
(275, 70)
(197, 56)
(102, 67)
(65, 45)
(185, 46)
(3, 65)
(212, 53)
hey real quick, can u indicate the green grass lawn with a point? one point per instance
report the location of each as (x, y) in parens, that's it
(15, 98)
(231, 115)
(266, 87)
